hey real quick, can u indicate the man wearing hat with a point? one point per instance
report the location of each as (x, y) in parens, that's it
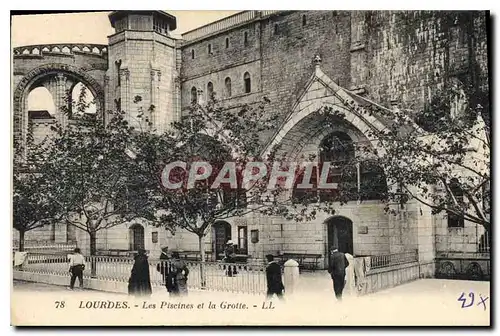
(273, 276)
(336, 268)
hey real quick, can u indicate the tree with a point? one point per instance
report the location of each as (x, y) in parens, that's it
(30, 207)
(443, 159)
(228, 141)
(92, 180)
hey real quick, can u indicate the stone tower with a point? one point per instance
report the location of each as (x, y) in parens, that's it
(142, 63)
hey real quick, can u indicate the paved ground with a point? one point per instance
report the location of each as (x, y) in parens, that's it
(422, 302)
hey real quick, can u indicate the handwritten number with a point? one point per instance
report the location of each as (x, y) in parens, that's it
(463, 299)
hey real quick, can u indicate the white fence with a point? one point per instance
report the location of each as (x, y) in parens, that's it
(245, 278)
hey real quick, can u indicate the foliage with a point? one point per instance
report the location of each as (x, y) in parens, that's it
(445, 166)
(30, 207)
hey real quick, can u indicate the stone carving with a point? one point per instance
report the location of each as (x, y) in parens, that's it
(474, 271)
(317, 60)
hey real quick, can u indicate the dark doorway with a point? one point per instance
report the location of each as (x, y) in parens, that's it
(340, 234)
(221, 233)
(137, 235)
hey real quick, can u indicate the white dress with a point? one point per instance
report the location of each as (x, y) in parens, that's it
(350, 285)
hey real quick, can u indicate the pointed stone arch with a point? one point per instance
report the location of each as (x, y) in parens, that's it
(316, 97)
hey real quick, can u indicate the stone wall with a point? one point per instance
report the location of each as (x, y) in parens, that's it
(457, 239)
(385, 55)
(148, 70)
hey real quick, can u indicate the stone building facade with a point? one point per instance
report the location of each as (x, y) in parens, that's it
(300, 60)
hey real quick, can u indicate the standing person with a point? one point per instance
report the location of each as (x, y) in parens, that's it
(350, 276)
(336, 268)
(273, 275)
(139, 283)
(180, 273)
(229, 258)
(76, 267)
(164, 267)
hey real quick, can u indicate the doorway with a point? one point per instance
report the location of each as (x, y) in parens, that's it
(221, 233)
(339, 231)
(137, 237)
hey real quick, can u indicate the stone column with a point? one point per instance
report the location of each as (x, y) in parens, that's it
(291, 276)
(155, 100)
(125, 91)
(108, 99)
(61, 101)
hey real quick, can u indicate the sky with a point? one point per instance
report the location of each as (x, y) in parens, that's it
(91, 27)
(85, 28)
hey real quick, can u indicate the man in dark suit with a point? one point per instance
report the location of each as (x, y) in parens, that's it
(273, 275)
(336, 268)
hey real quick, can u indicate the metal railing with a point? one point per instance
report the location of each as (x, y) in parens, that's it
(388, 260)
(245, 278)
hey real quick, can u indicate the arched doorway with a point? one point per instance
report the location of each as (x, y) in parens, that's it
(136, 237)
(339, 231)
(221, 233)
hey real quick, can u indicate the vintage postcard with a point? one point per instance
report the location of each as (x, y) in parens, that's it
(258, 167)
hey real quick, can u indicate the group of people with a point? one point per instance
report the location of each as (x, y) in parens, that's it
(173, 270)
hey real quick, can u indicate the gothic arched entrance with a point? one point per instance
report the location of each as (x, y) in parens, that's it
(136, 237)
(339, 231)
(221, 233)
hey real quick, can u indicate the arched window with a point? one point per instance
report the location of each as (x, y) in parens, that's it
(136, 237)
(210, 91)
(194, 95)
(227, 42)
(192, 53)
(118, 65)
(245, 39)
(41, 104)
(209, 49)
(247, 82)
(338, 149)
(227, 84)
(304, 20)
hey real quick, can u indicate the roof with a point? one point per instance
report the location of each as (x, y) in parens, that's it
(115, 15)
(40, 114)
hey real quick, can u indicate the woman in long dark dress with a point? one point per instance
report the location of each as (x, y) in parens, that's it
(139, 283)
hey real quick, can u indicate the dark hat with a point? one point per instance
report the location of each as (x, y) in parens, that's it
(269, 257)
